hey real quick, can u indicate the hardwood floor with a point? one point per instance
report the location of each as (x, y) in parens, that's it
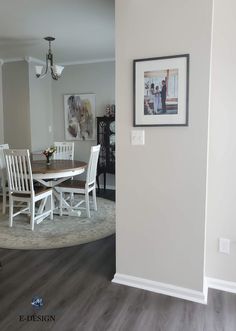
(75, 284)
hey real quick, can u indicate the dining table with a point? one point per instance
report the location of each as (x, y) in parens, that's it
(51, 175)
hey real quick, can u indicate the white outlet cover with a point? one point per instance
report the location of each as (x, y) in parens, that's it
(137, 137)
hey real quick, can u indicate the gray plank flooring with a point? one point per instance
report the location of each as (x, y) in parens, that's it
(75, 284)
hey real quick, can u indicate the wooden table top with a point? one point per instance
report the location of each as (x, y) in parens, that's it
(41, 167)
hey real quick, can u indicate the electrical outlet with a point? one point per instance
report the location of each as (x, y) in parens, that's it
(137, 137)
(224, 245)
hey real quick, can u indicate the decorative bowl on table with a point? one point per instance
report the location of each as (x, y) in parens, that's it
(48, 153)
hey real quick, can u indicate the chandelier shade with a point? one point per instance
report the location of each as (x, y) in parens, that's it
(56, 70)
(38, 70)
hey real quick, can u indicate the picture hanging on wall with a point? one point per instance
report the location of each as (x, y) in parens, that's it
(79, 116)
(161, 91)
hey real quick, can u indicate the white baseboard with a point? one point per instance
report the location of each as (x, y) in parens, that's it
(162, 288)
(219, 284)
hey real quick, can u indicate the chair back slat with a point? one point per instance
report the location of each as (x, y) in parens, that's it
(65, 151)
(14, 180)
(3, 174)
(92, 165)
(19, 171)
(17, 175)
(2, 159)
(25, 181)
(22, 183)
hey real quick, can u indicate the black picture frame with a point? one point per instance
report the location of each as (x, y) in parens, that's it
(161, 91)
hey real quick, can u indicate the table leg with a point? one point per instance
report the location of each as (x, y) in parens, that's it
(69, 210)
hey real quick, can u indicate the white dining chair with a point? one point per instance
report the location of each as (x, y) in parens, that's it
(21, 188)
(64, 150)
(82, 187)
(3, 177)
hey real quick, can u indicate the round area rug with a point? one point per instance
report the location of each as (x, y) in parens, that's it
(63, 231)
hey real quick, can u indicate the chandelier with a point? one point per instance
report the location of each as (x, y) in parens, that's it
(56, 70)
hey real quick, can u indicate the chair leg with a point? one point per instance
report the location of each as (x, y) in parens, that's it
(4, 200)
(105, 179)
(60, 203)
(94, 199)
(87, 204)
(32, 211)
(28, 205)
(98, 185)
(72, 198)
(51, 205)
(10, 211)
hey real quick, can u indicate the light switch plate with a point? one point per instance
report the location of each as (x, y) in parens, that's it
(137, 137)
(224, 245)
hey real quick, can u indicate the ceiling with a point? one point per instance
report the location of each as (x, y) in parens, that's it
(84, 29)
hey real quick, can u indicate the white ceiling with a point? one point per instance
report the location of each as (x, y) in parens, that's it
(84, 29)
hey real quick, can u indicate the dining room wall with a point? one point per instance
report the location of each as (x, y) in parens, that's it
(1, 108)
(16, 104)
(98, 78)
(161, 186)
(41, 113)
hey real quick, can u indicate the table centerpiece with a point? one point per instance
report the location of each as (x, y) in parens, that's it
(48, 153)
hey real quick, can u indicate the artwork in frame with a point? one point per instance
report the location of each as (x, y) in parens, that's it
(161, 91)
(79, 116)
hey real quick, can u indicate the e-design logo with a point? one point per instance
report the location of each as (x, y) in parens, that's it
(37, 302)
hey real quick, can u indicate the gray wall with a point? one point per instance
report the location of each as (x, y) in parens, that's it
(1, 109)
(16, 105)
(221, 221)
(98, 78)
(32, 106)
(41, 114)
(161, 187)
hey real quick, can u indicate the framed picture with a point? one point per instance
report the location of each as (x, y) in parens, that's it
(161, 91)
(79, 116)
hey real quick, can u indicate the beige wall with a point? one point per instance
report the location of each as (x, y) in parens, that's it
(41, 114)
(221, 221)
(161, 186)
(27, 107)
(16, 105)
(1, 109)
(98, 78)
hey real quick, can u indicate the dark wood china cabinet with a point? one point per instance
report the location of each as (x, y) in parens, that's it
(106, 138)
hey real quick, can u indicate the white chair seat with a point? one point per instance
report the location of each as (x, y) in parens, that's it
(73, 184)
(37, 191)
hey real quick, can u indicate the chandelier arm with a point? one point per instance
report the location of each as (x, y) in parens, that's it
(54, 76)
(46, 69)
(42, 75)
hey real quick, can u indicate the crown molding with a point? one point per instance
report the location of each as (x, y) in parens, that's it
(16, 59)
(30, 59)
(87, 61)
